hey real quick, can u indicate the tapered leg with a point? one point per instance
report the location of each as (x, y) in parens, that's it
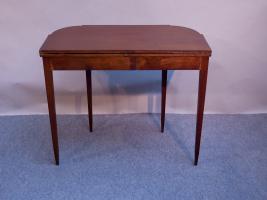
(51, 107)
(203, 73)
(89, 98)
(163, 98)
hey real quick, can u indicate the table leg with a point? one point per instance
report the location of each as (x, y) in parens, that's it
(51, 107)
(163, 98)
(89, 98)
(203, 73)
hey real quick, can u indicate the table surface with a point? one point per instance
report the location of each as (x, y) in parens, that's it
(93, 39)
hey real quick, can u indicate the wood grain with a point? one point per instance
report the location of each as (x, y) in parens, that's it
(117, 62)
(125, 39)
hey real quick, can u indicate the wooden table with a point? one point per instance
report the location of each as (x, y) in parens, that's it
(120, 47)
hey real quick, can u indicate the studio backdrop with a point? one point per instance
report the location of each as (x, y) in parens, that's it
(235, 30)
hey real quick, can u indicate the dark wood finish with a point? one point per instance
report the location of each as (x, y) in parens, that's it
(89, 98)
(137, 47)
(163, 97)
(123, 62)
(203, 74)
(127, 39)
(49, 83)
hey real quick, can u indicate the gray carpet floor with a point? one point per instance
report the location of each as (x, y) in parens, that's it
(127, 157)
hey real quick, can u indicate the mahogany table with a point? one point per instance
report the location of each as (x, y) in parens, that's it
(125, 47)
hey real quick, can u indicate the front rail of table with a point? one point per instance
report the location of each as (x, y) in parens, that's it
(125, 60)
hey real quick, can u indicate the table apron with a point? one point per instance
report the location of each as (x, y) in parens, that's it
(124, 62)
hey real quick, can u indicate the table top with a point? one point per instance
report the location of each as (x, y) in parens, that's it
(125, 39)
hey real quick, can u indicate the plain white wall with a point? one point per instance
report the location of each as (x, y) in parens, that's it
(236, 31)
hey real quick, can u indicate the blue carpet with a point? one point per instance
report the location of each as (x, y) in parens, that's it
(127, 157)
